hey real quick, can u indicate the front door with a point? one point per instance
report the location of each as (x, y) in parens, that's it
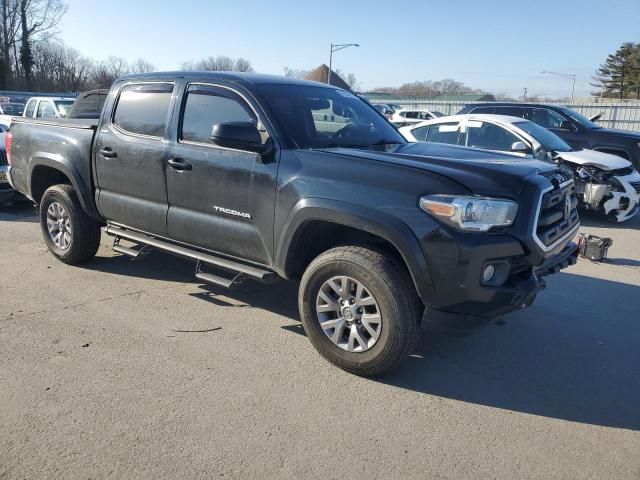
(220, 199)
(130, 154)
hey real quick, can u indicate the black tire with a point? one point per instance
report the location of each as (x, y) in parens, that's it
(389, 282)
(85, 231)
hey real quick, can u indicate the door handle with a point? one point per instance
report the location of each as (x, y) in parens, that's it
(179, 164)
(107, 153)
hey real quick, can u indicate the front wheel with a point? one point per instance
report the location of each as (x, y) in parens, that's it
(71, 235)
(360, 309)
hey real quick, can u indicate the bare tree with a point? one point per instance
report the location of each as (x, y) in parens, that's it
(243, 65)
(296, 73)
(10, 25)
(106, 72)
(218, 64)
(350, 79)
(38, 18)
(141, 66)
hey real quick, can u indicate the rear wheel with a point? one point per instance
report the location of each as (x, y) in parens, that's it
(360, 309)
(70, 234)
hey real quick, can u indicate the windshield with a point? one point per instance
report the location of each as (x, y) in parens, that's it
(63, 106)
(549, 140)
(437, 114)
(318, 117)
(582, 120)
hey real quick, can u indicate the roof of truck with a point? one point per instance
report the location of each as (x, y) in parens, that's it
(238, 77)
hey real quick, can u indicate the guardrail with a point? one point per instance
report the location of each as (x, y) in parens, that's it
(623, 116)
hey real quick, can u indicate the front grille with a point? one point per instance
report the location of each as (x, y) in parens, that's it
(3, 158)
(558, 177)
(636, 185)
(556, 219)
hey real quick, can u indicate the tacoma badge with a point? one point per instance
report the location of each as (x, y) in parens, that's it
(228, 211)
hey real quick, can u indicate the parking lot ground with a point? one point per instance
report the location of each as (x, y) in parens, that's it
(131, 369)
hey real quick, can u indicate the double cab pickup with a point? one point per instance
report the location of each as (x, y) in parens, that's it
(267, 178)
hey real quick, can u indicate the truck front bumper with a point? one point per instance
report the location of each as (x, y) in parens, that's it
(486, 275)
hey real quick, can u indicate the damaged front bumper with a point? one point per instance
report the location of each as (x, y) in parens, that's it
(459, 263)
(618, 198)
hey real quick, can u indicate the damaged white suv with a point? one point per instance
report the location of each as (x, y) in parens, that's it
(605, 183)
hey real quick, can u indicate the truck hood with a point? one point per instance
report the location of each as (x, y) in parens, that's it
(482, 172)
(601, 160)
(617, 133)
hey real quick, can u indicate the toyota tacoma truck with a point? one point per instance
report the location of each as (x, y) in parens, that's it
(261, 177)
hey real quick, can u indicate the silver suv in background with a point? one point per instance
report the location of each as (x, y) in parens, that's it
(48, 107)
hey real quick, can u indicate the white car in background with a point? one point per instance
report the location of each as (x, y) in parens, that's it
(605, 183)
(48, 107)
(407, 116)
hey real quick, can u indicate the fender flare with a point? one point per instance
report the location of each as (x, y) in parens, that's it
(367, 219)
(64, 166)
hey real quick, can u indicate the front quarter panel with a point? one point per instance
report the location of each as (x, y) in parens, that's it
(376, 197)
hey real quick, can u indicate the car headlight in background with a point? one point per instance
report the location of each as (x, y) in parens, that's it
(477, 214)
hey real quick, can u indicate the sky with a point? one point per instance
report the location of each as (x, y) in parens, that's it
(499, 46)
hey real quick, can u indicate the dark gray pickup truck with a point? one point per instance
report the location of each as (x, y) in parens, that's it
(260, 177)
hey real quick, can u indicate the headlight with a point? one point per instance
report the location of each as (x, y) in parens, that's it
(477, 214)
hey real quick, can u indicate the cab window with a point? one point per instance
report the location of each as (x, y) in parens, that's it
(420, 133)
(490, 137)
(46, 110)
(330, 116)
(444, 133)
(30, 108)
(510, 111)
(206, 106)
(546, 118)
(143, 108)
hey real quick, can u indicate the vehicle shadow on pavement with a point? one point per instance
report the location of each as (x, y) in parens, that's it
(575, 355)
(280, 298)
(18, 211)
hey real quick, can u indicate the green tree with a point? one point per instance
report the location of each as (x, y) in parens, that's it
(619, 75)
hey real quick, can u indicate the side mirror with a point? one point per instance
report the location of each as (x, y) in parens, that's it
(520, 147)
(240, 136)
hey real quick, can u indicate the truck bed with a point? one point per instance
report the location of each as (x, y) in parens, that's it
(90, 123)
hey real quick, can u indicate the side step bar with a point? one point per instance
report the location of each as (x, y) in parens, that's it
(131, 252)
(255, 273)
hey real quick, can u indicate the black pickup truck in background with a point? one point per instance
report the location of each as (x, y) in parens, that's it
(263, 177)
(572, 127)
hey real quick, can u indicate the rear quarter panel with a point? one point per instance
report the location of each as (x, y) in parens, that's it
(63, 145)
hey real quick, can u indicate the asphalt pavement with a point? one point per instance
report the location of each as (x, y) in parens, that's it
(132, 369)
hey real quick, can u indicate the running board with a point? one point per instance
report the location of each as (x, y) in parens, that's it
(126, 251)
(214, 279)
(255, 273)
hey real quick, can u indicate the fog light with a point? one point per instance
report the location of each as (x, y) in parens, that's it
(488, 273)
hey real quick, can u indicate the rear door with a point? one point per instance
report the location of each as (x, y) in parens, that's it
(130, 154)
(220, 199)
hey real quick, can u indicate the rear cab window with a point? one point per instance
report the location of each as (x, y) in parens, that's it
(482, 110)
(208, 105)
(46, 110)
(30, 108)
(143, 108)
(510, 111)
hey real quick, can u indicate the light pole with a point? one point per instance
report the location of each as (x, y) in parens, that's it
(570, 76)
(335, 48)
